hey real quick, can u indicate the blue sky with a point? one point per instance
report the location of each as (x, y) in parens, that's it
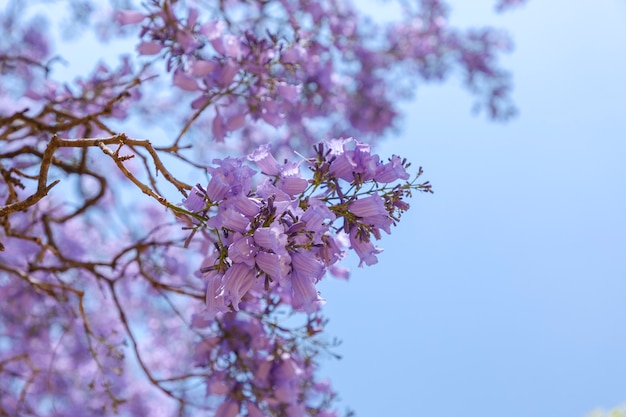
(504, 292)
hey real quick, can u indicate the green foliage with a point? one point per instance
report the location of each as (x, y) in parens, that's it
(615, 412)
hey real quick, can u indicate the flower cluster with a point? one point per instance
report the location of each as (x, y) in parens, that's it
(258, 369)
(282, 236)
(272, 240)
(310, 67)
(67, 313)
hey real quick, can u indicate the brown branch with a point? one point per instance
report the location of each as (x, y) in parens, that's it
(43, 188)
(135, 346)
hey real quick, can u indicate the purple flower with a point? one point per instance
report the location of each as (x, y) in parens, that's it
(316, 213)
(237, 281)
(214, 296)
(218, 387)
(236, 122)
(201, 68)
(306, 272)
(304, 295)
(364, 248)
(317, 218)
(267, 190)
(262, 372)
(187, 42)
(195, 202)
(247, 206)
(293, 185)
(287, 375)
(337, 146)
(253, 410)
(307, 266)
(330, 252)
(128, 17)
(184, 81)
(227, 73)
(231, 46)
(230, 219)
(218, 186)
(234, 174)
(339, 272)
(391, 171)
(213, 29)
(271, 238)
(149, 48)
(263, 158)
(275, 266)
(352, 164)
(218, 128)
(242, 250)
(289, 92)
(291, 180)
(271, 112)
(372, 212)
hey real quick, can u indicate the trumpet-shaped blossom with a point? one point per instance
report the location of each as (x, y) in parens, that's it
(364, 248)
(372, 212)
(236, 282)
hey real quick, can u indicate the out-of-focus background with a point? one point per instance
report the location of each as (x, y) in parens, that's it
(504, 293)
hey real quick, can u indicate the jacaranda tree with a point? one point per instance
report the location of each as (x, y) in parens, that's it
(165, 218)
